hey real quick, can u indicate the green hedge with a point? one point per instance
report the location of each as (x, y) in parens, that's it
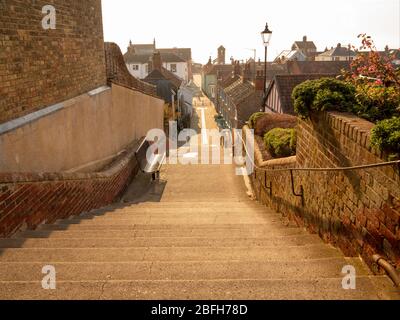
(323, 95)
(386, 136)
(253, 119)
(281, 142)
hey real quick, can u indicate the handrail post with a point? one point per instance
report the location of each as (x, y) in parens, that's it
(265, 184)
(301, 194)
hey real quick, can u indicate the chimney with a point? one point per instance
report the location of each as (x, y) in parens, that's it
(339, 45)
(157, 63)
(237, 68)
(305, 39)
(247, 72)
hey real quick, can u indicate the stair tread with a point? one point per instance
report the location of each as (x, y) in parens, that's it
(318, 289)
(159, 242)
(168, 254)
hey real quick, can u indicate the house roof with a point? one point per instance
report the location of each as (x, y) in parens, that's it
(239, 90)
(285, 85)
(183, 53)
(145, 58)
(339, 51)
(130, 57)
(317, 67)
(290, 54)
(223, 70)
(249, 106)
(305, 45)
(229, 80)
(156, 75)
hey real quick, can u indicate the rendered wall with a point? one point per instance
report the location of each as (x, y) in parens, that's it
(84, 135)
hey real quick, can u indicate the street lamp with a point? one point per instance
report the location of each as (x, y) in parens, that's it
(266, 37)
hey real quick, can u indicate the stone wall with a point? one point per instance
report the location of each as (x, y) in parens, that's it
(28, 200)
(38, 67)
(357, 210)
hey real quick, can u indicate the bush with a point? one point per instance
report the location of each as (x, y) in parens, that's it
(323, 95)
(376, 103)
(280, 142)
(270, 121)
(386, 136)
(253, 119)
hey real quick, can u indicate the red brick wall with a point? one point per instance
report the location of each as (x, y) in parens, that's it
(41, 67)
(28, 200)
(359, 210)
(118, 73)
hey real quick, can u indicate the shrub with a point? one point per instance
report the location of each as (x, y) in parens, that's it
(253, 119)
(270, 121)
(376, 102)
(386, 136)
(322, 95)
(281, 142)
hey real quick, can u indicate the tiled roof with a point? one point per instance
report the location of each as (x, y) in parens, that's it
(249, 106)
(163, 74)
(305, 45)
(239, 90)
(130, 57)
(227, 81)
(183, 53)
(144, 58)
(339, 51)
(285, 85)
(222, 69)
(317, 67)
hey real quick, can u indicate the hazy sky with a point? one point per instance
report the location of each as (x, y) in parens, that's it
(204, 25)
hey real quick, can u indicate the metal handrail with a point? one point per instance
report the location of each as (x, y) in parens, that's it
(359, 167)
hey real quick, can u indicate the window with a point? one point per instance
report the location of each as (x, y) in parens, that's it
(173, 67)
(147, 68)
(135, 67)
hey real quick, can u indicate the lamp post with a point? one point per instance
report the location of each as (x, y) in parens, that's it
(266, 37)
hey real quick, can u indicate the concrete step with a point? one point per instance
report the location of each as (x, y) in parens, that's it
(188, 203)
(199, 270)
(296, 240)
(179, 220)
(184, 212)
(50, 255)
(169, 231)
(293, 289)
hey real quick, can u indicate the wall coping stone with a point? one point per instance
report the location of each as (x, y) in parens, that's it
(34, 116)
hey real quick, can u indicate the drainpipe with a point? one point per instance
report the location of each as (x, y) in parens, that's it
(389, 269)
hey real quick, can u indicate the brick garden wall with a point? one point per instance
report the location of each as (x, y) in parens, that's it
(41, 67)
(357, 211)
(28, 200)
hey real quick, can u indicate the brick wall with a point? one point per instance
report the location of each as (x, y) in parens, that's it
(41, 67)
(357, 211)
(28, 200)
(118, 73)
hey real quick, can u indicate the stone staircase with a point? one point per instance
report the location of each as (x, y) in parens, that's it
(226, 249)
(194, 235)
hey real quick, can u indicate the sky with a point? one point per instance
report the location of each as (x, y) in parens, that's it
(204, 25)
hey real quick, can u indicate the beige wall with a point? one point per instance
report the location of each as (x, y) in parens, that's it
(83, 135)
